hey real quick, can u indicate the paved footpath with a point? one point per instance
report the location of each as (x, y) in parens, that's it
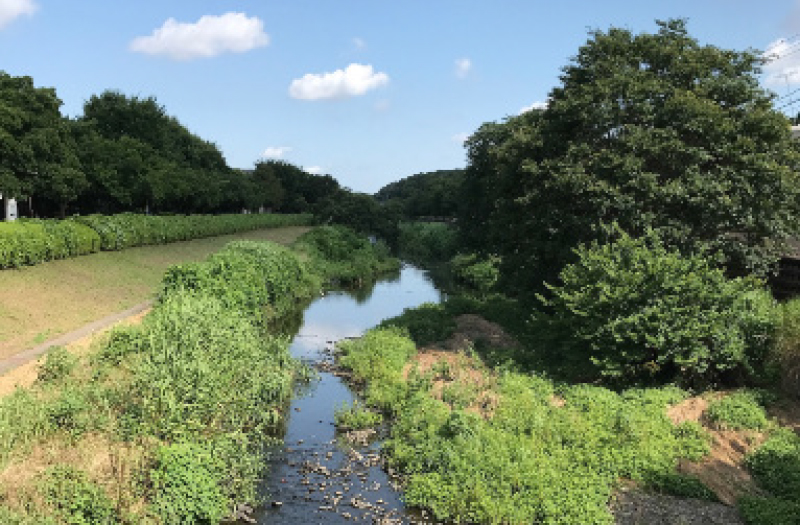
(10, 363)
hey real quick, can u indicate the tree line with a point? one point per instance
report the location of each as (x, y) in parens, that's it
(127, 154)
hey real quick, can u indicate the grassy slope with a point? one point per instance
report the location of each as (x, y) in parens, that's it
(40, 302)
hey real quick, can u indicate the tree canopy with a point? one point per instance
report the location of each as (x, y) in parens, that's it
(37, 150)
(433, 194)
(651, 131)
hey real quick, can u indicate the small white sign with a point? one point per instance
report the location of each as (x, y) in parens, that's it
(11, 210)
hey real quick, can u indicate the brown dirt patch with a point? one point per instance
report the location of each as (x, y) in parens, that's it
(459, 379)
(722, 470)
(690, 409)
(472, 328)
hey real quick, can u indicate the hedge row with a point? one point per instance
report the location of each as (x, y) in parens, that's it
(32, 241)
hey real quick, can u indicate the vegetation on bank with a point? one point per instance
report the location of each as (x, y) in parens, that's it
(167, 420)
(32, 241)
(481, 437)
(621, 235)
(342, 257)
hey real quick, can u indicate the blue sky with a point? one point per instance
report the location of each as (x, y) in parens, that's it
(369, 91)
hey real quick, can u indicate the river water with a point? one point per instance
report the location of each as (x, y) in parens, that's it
(316, 477)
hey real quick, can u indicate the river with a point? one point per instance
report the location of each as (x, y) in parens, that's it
(315, 477)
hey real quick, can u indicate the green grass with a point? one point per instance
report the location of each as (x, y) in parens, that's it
(775, 465)
(740, 410)
(59, 296)
(355, 417)
(528, 460)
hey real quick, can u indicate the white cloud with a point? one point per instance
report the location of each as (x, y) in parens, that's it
(276, 152)
(208, 37)
(535, 105)
(783, 66)
(359, 43)
(383, 105)
(314, 170)
(463, 67)
(354, 80)
(10, 10)
(460, 138)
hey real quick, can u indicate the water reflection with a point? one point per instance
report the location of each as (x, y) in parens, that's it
(314, 479)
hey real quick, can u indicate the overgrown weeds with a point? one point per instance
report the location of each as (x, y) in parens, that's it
(198, 389)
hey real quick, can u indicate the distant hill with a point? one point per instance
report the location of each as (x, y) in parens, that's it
(434, 194)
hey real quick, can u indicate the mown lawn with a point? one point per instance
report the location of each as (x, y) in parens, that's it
(41, 302)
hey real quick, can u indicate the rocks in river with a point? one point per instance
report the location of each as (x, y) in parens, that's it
(243, 512)
(359, 437)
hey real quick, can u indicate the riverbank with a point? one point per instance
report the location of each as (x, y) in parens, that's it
(166, 421)
(41, 302)
(477, 438)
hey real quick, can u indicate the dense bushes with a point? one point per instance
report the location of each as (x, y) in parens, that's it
(340, 255)
(475, 272)
(31, 242)
(428, 242)
(262, 279)
(27, 242)
(776, 467)
(636, 311)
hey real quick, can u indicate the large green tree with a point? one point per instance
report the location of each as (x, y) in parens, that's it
(37, 150)
(648, 131)
(138, 157)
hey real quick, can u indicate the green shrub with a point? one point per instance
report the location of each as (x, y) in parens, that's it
(22, 243)
(638, 312)
(75, 498)
(531, 461)
(265, 280)
(205, 367)
(680, 485)
(355, 417)
(426, 324)
(769, 511)
(59, 363)
(186, 485)
(377, 359)
(428, 242)
(71, 412)
(776, 465)
(341, 256)
(787, 347)
(480, 274)
(738, 411)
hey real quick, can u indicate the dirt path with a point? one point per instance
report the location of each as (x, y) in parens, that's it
(20, 369)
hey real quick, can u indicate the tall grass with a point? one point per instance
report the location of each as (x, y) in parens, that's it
(199, 387)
